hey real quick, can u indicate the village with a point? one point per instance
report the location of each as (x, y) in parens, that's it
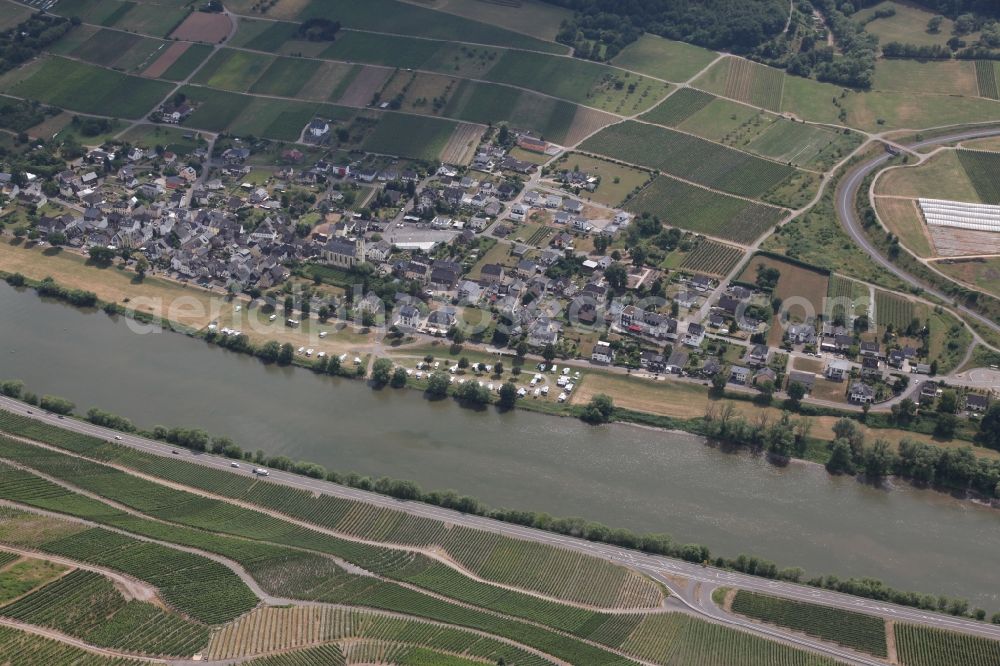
(511, 250)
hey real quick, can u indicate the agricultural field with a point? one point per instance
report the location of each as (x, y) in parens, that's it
(85, 88)
(845, 291)
(618, 182)
(922, 646)
(745, 81)
(986, 79)
(865, 633)
(119, 50)
(942, 77)
(484, 103)
(803, 145)
(151, 19)
(35, 649)
(179, 64)
(664, 58)
(980, 273)
(689, 158)
(410, 136)
(285, 77)
(712, 258)
(943, 176)
(402, 18)
(678, 107)
(892, 310)
(11, 14)
(579, 81)
(232, 70)
(387, 50)
(209, 27)
(87, 605)
(532, 17)
(17, 578)
(703, 211)
(902, 217)
(983, 169)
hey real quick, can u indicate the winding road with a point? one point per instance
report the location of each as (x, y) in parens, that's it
(663, 569)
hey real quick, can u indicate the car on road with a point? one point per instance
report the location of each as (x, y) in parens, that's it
(118, 437)
(174, 451)
(29, 411)
(260, 471)
(235, 464)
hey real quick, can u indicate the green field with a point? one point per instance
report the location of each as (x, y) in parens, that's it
(214, 110)
(191, 58)
(745, 81)
(264, 35)
(663, 58)
(689, 158)
(389, 50)
(87, 605)
(120, 50)
(232, 70)
(25, 576)
(404, 135)
(406, 19)
(923, 646)
(285, 77)
(702, 211)
(854, 630)
(712, 258)
(11, 14)
(678, 107)
(983, 169)
(87, 89)
(618, 182)
(801, 144)
(940, 77)
(483, 103)
(579, 81)
(907, 25)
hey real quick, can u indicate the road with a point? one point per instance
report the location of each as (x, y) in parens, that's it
(845, 198)
(659, 567)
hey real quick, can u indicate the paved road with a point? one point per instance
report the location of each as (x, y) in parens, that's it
(657, 566)
(845, 197)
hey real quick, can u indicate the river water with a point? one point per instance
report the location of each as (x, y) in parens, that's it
(619, 475)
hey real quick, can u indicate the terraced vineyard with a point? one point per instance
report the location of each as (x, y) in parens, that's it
(702, 211)
(923, 646)
(87, 605)
(279, 629)
(986, 79)
(892, 310)
(678, 107)
(712, 258)
(983, 169)
(689, 157)
(325, 655)
(854, 630)
(31, 649)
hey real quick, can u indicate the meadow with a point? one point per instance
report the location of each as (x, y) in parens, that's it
(664, 58)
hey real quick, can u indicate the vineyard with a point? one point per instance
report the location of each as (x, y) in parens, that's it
(892, 310)
(983, 169)
(689, 157)
(678, 107)
(712, 258)
(7, 558)
(854, 630)
(754, 84)
(923, 646)
(31, 649)
(705, 212)
(531, 566)
(540, 234)
(986, 78)
(841, 294)
(325, 655)
(278, 629)
(24, 576)
(87, 605)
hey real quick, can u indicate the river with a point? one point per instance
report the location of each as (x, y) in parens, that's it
(619, 475)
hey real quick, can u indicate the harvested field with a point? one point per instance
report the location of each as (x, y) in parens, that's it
(585, 123)
(159, 66)
(902, 217)
(952, 242)
(461, 147)
(204, 27)
(364, 86)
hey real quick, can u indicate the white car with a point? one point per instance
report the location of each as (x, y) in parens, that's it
(118, 437)
(235, 464)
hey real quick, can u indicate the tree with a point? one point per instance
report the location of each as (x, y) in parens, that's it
(471, 393)
(463, 363)
(289, 305)
(767, 277)
(840, 458)
(458, 336)
(948, 402)
(601, 242)
(879, 459)
(599, 410)
(617, 276)
(498, 368)
(141, 266)
(56, 405)
(508, 395)
(796, 391)
(381, 371)
(287, 354)
(437, 385)
(269, 351)
(989, 428)
(719, 381)
(946, 426)
(522, 349)
(101, 255)
(398, 379)
(549, 353)
(934, 25)
(638, 255)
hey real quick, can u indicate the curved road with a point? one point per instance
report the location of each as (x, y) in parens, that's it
(846, 195)
(658, 567)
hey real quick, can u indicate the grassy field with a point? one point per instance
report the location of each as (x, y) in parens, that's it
(191, 58)
(943, 77)
(285, 77)
(406, 19)
(664, 58)
(483, 103)
(983, 274)
(11, 14)
(20, 576)
(865, 633)
(171, 138)
(579, 81)
(233, 70)
(86, 88)
(908, 25)
(409, 136)
(902, 218)
(943, 176)
(696, 209)
(689, 158)
(617, 181)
